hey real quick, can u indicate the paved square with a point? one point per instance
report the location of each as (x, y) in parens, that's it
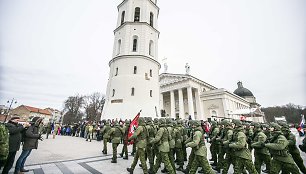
(69, 155)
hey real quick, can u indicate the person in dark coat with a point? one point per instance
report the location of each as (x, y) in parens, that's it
(30, 142)
(15, 130)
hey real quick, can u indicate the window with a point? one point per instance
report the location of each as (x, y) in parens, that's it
(151, 48)
(122, 17)
(150, 93)
(116, 72)
(119, 47)
(134, 45)
(137, 14)
(214, 113)
(133, 91)
(135, 69)
(113, 93)
(151, 19)
(150, 73)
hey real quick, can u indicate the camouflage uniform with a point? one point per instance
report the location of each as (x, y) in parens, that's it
(200, 151)
(141, 135)
(229, 158)
(155, 146)
(239, 146)
(214, 146)
(4, 144)
(250, 135)
(162, 140)
(104, 132)
(170, 129)
(191, 155)
(293, 150)
(261, 153)
(125, 140)
(116, 133)
(221, 150)
(178, 136)
(282, 160)
(150, 148)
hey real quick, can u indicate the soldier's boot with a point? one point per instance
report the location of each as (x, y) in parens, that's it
(164, 170)
(266, 171)
(126, 157)
(180, 168)
(151, 167)
(130, 170)
(121, 154)
(213, 164)
(185, 171)
(140, 165)
(216, 168)
(114, 161)
(211, 159)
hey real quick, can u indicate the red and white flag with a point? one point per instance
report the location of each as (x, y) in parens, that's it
(133, 127)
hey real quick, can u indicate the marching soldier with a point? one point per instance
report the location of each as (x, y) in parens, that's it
(178, 136)
(169, 128)
(162, 140)
(200, 152)
(116, 133)
(4, 144)
(150, 148)
(191, 155)
(106, 137)
(261, 153)
(125, 140)
(293, 150)
(140, 135)
(229, 158)
(214, 147)
(239, 146)
(278, 146)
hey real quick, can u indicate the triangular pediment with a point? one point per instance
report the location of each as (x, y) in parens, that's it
(166, 79)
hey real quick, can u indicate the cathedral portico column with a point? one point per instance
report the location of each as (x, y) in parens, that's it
(181, 103)
(190, 102)
(198, 105)
(172, 104)
(161, 100)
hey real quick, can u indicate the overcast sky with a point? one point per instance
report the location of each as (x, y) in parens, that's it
(52, 49)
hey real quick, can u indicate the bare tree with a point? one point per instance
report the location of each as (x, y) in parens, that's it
(72, 107)
(93, 105)
(291, 111)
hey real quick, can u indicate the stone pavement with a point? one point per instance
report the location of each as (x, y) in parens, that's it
(69, 155)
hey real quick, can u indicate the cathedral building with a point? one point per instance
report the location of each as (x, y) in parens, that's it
(187, 97)
(135, 84)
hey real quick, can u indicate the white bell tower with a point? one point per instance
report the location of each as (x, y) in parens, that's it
(133, 83)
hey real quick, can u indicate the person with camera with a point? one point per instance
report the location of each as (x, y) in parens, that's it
(30, 141)
(15, 130)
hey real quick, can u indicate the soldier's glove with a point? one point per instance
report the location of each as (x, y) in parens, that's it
(263, 145)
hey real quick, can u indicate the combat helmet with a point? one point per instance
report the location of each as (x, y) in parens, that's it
(141, 121)
(162, 121)
(213, 123)
(237, 123)
(276, 126)
(196, 123)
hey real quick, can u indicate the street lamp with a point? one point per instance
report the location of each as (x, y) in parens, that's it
(8, 110)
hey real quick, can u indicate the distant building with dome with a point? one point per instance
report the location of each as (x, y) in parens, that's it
(185, 96)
